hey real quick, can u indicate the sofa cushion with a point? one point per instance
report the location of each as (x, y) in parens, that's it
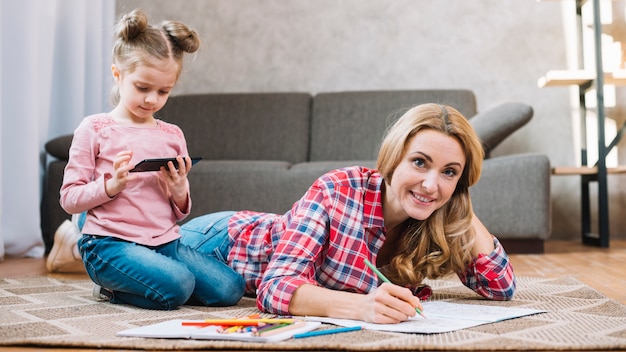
(499, 121)
(350, 125)
(258, 185)
(243, 126)
(318, 168)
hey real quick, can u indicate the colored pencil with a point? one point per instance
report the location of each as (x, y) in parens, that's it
(236, 328)
(238, 322)
(268, 327)
(280, 329)
(385, 279)
(326, 332)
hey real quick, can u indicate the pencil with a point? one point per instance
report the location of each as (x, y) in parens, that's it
(268, 327)
(238, 322)
(235, 328)
(280, 329)
(326, 332)
(385, 279)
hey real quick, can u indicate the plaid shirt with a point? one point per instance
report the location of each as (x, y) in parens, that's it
(323, 240)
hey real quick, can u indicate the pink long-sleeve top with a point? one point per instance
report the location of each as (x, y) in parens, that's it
(144, 212)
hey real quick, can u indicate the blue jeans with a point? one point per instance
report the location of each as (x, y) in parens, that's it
(208, 234)
(162, 277)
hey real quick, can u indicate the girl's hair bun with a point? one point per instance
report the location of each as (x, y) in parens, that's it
(131, 25)
(185, 38)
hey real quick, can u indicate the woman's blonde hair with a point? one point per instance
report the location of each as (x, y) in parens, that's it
(440, 244)
(139, 43)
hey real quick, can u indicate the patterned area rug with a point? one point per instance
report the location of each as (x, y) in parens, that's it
(48, 312)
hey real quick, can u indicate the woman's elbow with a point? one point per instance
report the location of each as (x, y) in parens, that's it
(500, 294)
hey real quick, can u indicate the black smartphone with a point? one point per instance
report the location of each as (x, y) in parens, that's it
(155, 164)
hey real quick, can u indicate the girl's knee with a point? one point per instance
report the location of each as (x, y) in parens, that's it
(176, 291)
(230, 295)
(224, 293)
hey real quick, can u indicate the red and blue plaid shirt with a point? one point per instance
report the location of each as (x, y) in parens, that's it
(323, 240)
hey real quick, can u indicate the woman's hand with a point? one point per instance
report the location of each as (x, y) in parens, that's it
(177, 180)
(390, 304)
(387, 304)
(121, 175)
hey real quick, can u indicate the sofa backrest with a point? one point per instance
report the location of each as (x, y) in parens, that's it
(351, 125)
(293, 127)
(243, 126)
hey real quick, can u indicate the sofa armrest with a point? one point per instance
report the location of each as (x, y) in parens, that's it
(59, 147)
(512, 197)
(51, 213)
(499, 121)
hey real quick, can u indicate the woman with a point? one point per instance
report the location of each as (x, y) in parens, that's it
(412, 217)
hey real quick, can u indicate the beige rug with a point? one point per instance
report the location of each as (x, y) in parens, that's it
(47, 312)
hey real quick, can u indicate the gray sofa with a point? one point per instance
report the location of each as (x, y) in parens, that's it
(261, 151)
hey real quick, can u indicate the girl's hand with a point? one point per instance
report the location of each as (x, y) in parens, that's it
(177, 180)
(120, 177)
(390, 304)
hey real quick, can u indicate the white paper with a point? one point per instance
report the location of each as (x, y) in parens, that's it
(171, 329)
(441, 317)
(174, 329)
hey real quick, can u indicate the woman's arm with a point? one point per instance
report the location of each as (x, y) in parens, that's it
(388, 304)
(490, 274)
(483, 243)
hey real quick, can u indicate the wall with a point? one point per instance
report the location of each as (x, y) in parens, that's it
(497, 48)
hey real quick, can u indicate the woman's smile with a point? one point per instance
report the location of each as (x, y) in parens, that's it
(422, 198)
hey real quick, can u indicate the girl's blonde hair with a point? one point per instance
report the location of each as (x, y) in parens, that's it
(139, 43)
(440, 244)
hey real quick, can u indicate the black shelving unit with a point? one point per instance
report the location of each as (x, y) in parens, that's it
(598, 172)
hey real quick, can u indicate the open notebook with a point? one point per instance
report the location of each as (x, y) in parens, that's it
(442, 316)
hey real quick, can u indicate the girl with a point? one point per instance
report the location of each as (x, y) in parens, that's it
(130, 244)
(412, 217)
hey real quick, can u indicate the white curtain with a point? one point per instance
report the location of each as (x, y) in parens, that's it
(55, 69)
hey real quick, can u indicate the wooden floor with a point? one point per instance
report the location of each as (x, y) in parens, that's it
(600, 268)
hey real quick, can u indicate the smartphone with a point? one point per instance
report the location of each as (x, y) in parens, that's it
(155, 164)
